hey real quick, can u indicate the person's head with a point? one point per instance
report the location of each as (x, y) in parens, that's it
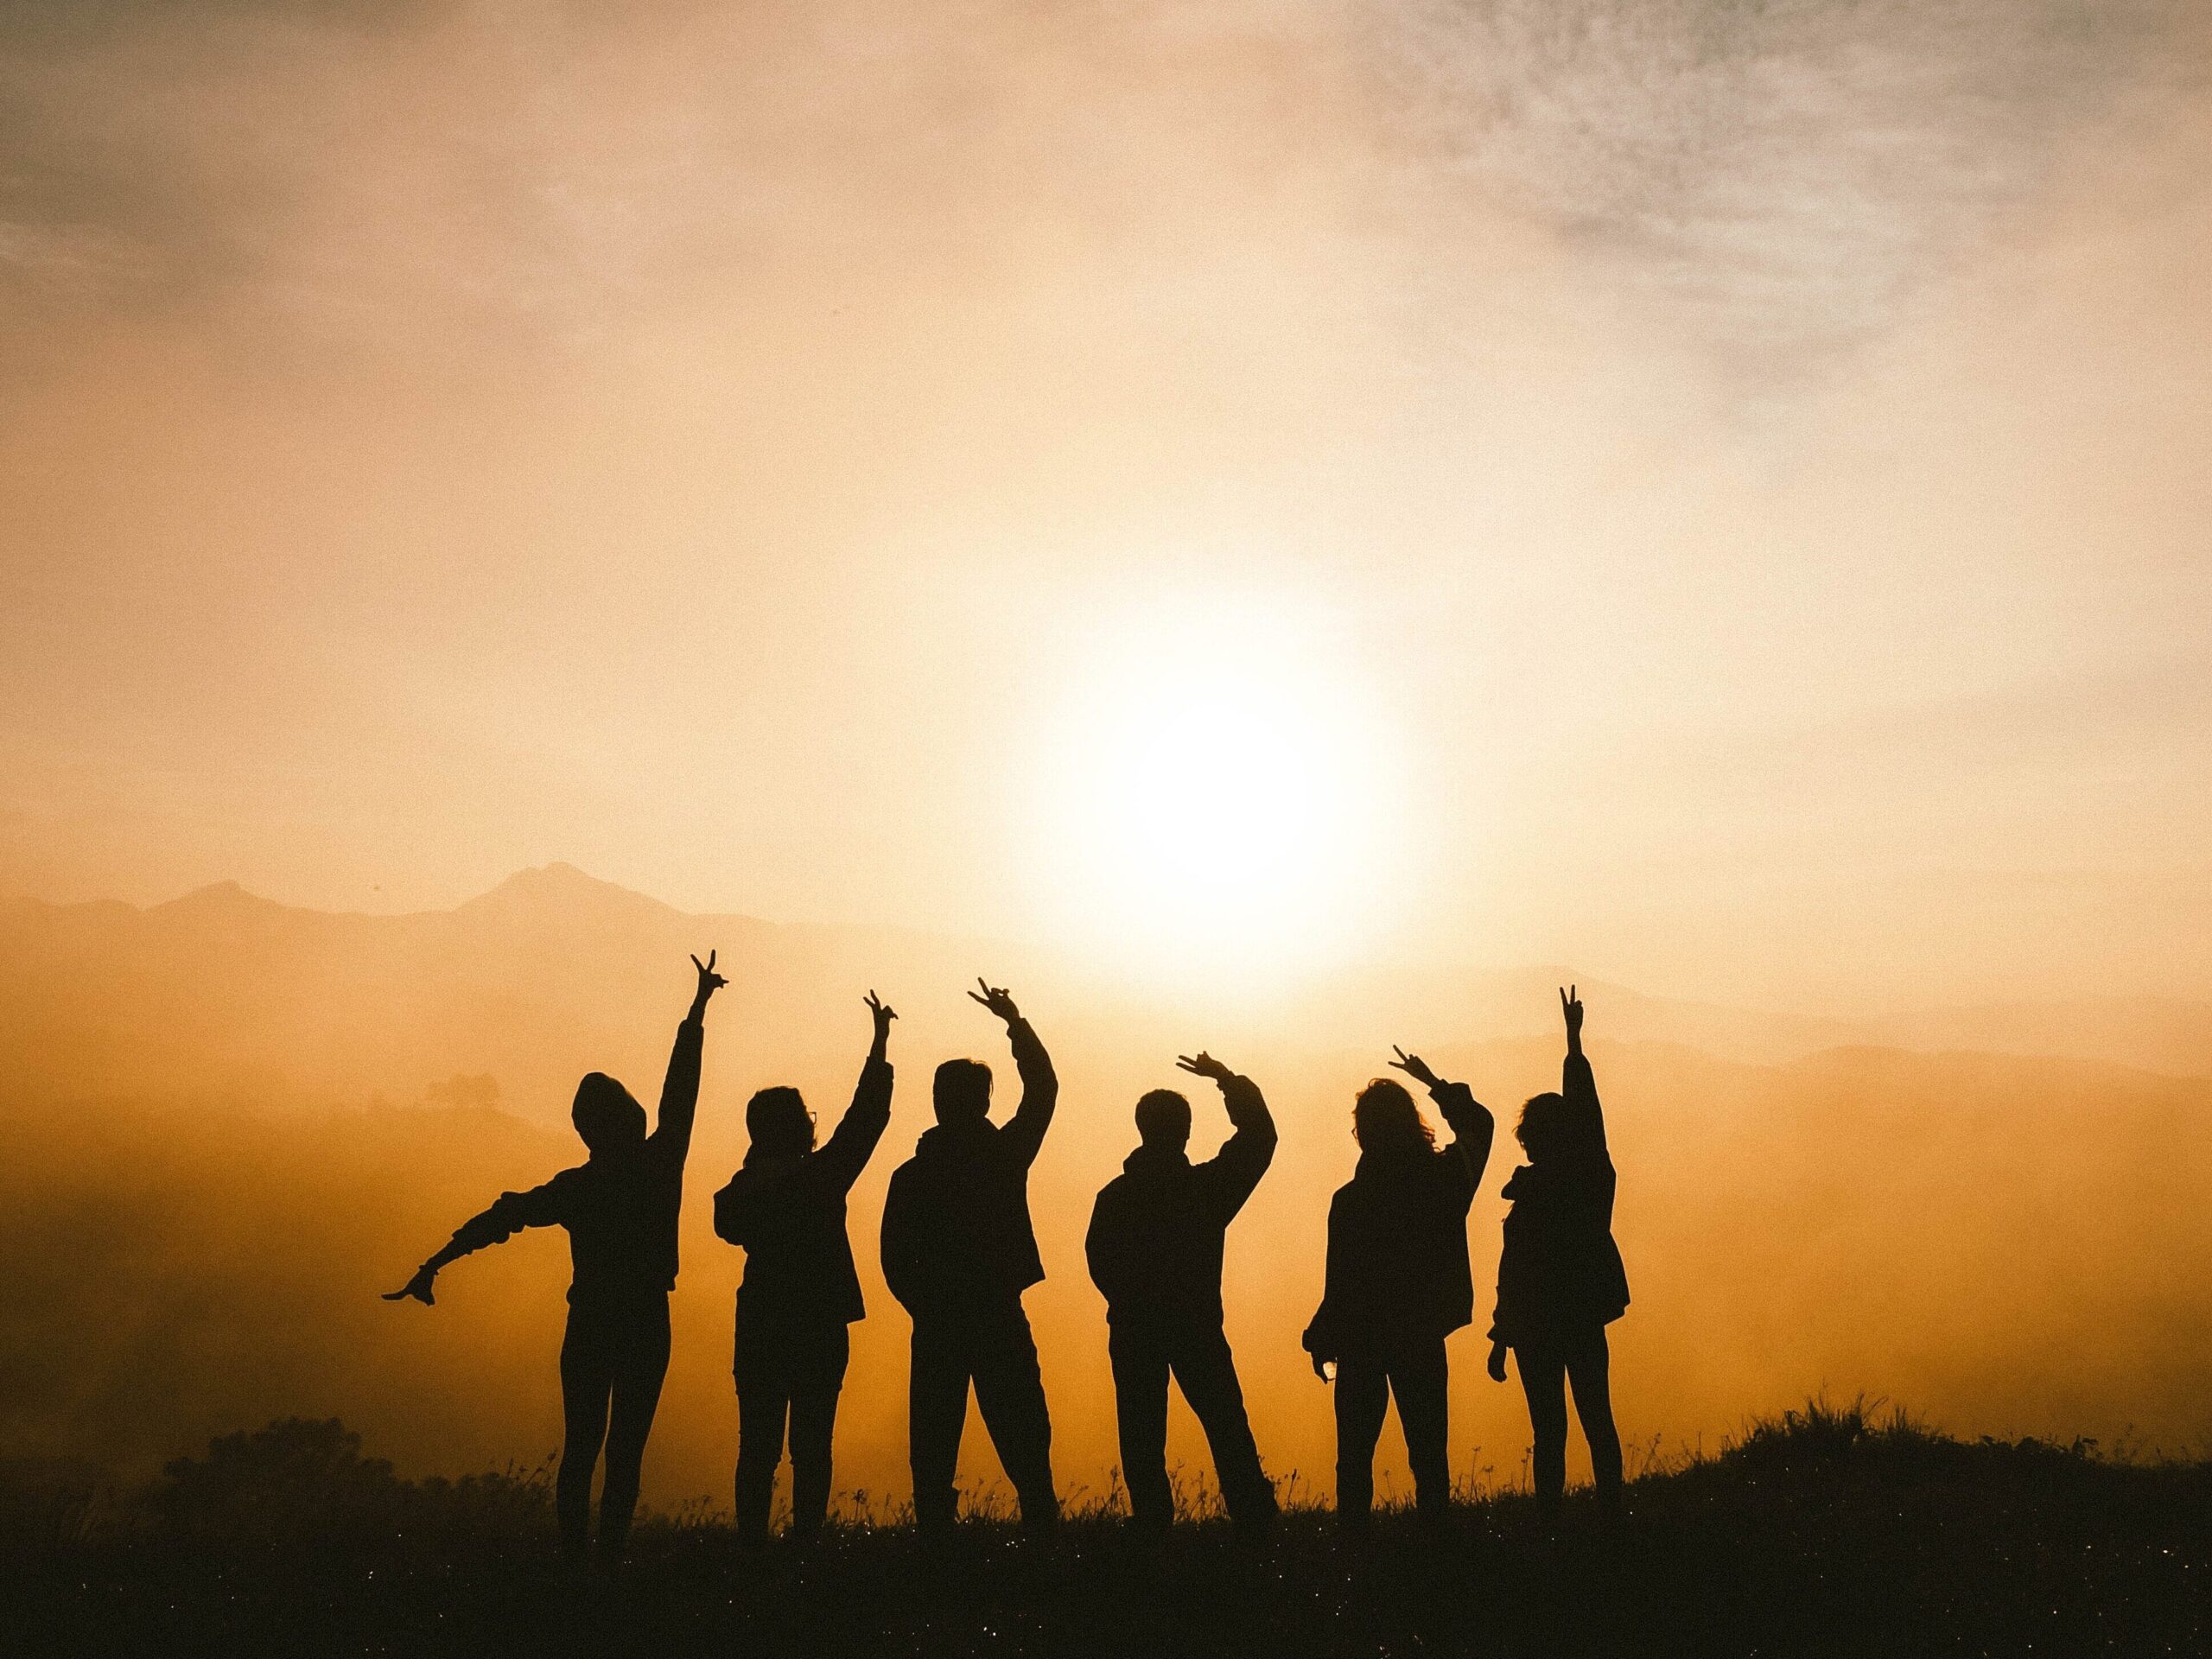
(778, 1122)
(962, 1092)
(1163, 1120)
(606, 1115)
(1543, 1119)
(1385, 1119)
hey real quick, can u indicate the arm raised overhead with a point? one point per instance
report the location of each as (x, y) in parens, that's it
(679, 1089)
(1024, 1133)
(861, 1129)
(1245, 1156)
(1474, 1127)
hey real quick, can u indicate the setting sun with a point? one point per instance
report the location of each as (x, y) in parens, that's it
(1215, 798)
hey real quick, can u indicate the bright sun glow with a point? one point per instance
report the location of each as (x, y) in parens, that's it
(1218, 792)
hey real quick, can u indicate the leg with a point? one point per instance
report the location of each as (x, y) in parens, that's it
(1140, 1362)
(1010, 1390)
(587, 1374)
(1420, 1380)
(1362, 1395)
(937, 1410)
(1207, 1372)
(763, 1398)
(1588, 1367)
(641, 1367)
(814, 1427)
(1543, 1379)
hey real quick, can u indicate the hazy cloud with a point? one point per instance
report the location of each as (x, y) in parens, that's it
(1776, 175)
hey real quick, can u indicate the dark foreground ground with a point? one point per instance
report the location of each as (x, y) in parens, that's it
(1826, 1533)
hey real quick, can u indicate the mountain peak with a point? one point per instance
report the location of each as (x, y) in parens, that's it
(561, 889)
(219, 897)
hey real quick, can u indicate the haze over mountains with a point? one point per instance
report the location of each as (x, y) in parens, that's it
(552, 965)
(233, 1122)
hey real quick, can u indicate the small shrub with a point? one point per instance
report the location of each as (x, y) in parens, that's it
(297, 1479)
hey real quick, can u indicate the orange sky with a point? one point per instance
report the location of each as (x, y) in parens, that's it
(1728, 489)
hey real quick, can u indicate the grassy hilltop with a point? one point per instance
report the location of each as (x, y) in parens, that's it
(1827, 1532)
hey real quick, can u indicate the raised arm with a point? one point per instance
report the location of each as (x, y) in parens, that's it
(1024, 1133)
(1577, 1085)
(863, 1126)
(1244, 1158)
(679, 1089)
(541, 1206)
(1472, 1126)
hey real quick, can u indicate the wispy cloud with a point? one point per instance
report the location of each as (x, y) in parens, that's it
(1776, 176)
(1782, 174)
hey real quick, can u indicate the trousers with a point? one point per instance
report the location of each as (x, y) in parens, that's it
(1417, 1376)
(613, 1359)
(1582, 1359)
(990, 1348)
(788, 1377)
(1144, 1355)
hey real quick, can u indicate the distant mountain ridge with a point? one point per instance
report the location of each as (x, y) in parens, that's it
(553, 962)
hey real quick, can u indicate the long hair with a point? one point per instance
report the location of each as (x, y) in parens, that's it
(1385, 1119)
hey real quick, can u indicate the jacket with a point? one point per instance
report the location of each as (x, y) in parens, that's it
(1397, 1270)
(621, 1207)
(1559, 1271)
(788, 1215)
(956, 1233)
(1158, 1229)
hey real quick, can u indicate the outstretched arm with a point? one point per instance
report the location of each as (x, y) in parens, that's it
(539, 1207)
(1247, 1152)
(1040, 1087)
(1473, 1128)
(679, 1089)
(866, 1119)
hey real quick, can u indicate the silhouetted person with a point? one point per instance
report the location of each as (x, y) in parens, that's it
(1155, 1247)
(619, 1207)
(786, 1208)
(1560, 1278)
(1398, 1283)
(958, 1250)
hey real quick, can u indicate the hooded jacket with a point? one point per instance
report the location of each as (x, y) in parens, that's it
(788, 1213)
(1158, 1229)
(956, 1233)
(621, 1207)
(1397, 1267)
(1559, 1272)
